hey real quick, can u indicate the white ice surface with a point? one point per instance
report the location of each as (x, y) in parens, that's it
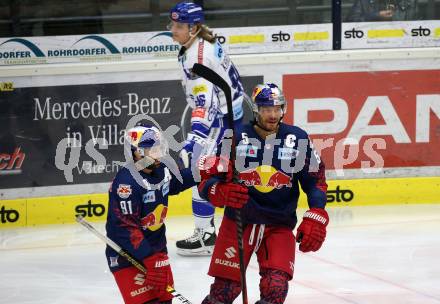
(375, 254)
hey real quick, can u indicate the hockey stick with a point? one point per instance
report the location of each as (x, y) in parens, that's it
(126, 255)
(218, 81)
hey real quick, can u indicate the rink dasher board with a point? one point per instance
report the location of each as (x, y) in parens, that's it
(277, 68)
(341, 193)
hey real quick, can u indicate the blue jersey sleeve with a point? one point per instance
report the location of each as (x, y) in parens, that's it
(187, 182)
(124, 219)
(312, 178)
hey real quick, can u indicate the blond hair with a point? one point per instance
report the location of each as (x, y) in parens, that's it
(206, 33)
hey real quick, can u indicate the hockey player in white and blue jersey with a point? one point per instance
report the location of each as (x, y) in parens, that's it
(208, 103)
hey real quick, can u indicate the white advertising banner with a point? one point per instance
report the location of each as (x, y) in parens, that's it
(408, 34)
(272, 39)
(155, 45)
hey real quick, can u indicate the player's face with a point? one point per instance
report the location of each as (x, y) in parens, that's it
(269, 117)
(155, 153)
(180, 31)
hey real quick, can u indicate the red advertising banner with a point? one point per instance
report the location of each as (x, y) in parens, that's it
(369, 119)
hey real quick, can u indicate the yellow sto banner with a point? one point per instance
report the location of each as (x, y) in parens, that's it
(358, 192)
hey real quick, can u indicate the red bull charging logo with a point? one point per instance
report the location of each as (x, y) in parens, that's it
(265, 178)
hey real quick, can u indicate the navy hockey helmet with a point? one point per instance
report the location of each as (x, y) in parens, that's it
(187, 12)
(148, 141)
(266, 95)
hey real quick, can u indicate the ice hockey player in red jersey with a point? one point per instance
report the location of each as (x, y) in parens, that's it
(273, 160)
(138, 204)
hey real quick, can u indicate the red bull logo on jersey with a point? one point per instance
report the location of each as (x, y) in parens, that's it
(265, 178)
(155, 219)
(124, 191)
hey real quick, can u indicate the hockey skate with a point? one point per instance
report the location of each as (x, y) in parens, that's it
(201, 243)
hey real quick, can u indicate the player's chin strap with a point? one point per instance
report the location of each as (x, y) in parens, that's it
(188, 43)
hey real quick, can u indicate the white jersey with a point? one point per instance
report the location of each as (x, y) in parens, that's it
(207, 101)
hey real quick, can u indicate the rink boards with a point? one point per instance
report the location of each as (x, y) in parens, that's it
(363, 109)
(341, 193)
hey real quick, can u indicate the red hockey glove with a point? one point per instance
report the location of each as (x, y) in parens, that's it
(158, 272)
(228, 194)
(312, 230)
(211, 165)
